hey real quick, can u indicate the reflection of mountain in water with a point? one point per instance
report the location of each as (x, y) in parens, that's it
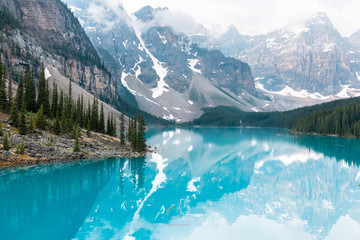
(246, 174)
(50, 202)
(288, 181)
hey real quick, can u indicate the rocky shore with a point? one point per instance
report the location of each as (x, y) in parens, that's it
(44, 147)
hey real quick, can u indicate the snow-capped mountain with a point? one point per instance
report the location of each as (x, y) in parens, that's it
(170, 76)
(306, 58)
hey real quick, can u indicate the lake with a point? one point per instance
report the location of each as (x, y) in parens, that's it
(202, 183)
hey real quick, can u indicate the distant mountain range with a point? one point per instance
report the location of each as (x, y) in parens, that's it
(309, 58)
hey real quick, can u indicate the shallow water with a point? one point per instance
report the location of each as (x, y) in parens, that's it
(200, 184)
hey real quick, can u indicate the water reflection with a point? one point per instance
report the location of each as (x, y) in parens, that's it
(200, 184)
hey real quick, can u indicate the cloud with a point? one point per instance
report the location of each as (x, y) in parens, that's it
(259, 16)
(179, 21)
(107, 12)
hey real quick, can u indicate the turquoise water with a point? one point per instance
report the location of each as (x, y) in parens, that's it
(200, 184)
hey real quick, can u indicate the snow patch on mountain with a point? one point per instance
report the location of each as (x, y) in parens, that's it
(192, 64)
(47, 73)
(162, 86)
(74, 9)
(163, 39)
(347, 92)
(358, 76)
(289, 92)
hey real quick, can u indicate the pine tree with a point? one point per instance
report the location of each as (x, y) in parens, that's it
(77, 144)
(88, 131)
(54, 101)
(40, 119)
(129, 129)
(43, 93)
(134, 134)
(94, 123)
(57, 126)
(6, 145)
(113, 125)
(22, 124)
(64, 126)
(102, 120)
(1, 69)
(9, 92)
(108, 125)
(14, 114)
(22, 147)
(20, 92)
(82, 112)
(141, 140)
(30, 90)
(68, 101)
(3, 99)
(122, 128)
(61, 103)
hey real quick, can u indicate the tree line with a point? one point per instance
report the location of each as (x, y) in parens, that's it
(341, 121)
(37, 107)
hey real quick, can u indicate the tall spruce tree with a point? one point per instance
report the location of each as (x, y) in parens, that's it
(57, 125)
(113, 128)
(30, 90)
(20, 92)
(61, 103)
(14, 114)
(6, 145)
(77, 144)
(141, 140)
(108, 125)
(42, 99)
(54, 101)
(122, 128)
(10, 92)
(3, 99)
(102, 120)
(41, 119)
(22, 122)
(134, 134)
(94, 123)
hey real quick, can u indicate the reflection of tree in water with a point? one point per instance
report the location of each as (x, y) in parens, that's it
(347, 149)
(50, 201)
(137, 169)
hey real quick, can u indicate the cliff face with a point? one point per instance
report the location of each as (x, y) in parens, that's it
(49, 33)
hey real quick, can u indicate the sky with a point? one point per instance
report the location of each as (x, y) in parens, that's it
(255, 17)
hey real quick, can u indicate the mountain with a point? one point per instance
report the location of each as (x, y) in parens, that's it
(169, 76)
(305, 59)
(47, 32)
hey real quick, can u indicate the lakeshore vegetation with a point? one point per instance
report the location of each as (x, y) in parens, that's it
(33, 108)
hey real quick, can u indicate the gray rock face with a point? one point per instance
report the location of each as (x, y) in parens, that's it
(310, 56)
(50, 34)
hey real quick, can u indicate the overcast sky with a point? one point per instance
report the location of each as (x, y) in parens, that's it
(259, 16)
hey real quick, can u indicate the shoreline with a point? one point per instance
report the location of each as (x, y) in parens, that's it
(45, 147)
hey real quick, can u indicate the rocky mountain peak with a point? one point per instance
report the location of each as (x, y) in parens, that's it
(319, 19)
(147, 13)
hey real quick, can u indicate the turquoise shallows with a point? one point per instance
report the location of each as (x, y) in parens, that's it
(202, 183)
